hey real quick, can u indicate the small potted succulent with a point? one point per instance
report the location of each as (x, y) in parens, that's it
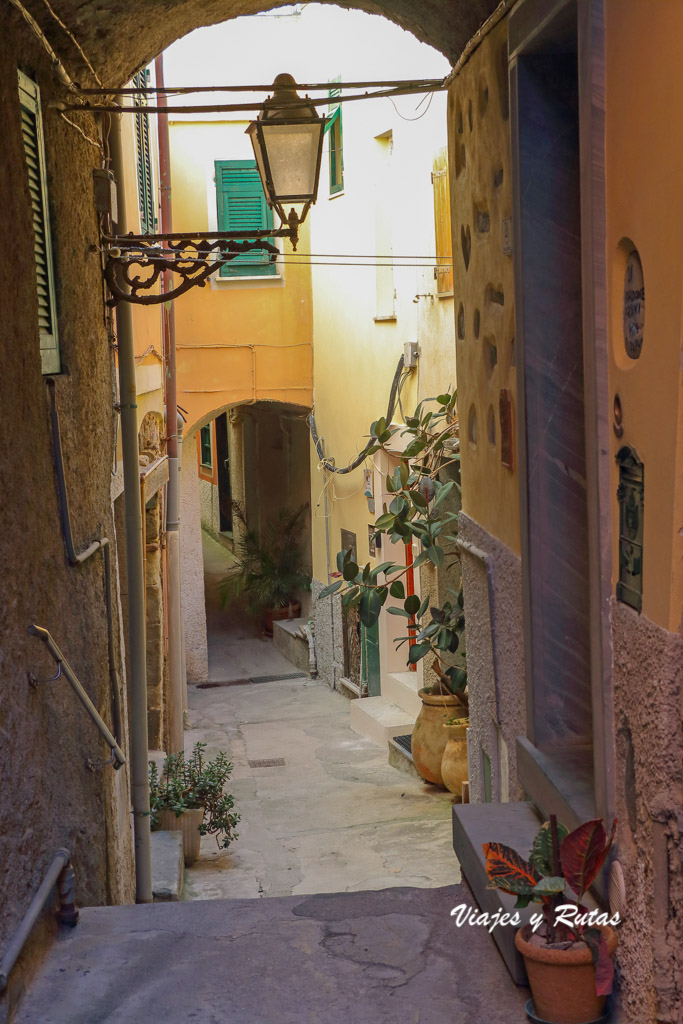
(567, 949)
(188, 796)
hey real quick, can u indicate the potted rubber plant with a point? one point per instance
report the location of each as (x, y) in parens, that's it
(189, 797)
(422, 487)
(270, 568)
(567, 949)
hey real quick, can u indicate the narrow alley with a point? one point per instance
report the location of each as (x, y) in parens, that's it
(331, 815)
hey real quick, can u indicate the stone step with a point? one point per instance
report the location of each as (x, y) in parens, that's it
(514, 824)
(401, 688)
(288, 641)
(378, 718)
(334, 958)
(168, 866)
(402, 760)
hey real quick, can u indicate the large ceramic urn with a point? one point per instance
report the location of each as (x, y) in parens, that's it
(429, 736)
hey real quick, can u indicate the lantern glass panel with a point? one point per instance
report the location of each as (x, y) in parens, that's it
(293, 155)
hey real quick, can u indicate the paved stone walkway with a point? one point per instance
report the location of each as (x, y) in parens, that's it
(335, 817)
(389, 957)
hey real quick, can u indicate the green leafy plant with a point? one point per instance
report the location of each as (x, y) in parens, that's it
(416, 512)
(186, 784)
(270, 567)
(561, 868)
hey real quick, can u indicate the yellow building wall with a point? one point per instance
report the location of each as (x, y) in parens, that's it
(481, 201)
(237, 340)
(387, 204)
(644, 158)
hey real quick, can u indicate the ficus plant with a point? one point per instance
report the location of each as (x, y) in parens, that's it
(561, 868)
(416, 512)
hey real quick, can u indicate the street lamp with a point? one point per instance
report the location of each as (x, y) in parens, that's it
(288, 139)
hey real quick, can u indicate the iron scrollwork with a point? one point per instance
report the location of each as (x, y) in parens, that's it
(134, 265)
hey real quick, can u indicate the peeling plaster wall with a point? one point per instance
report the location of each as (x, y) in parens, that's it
(648, 684)
(208, 504)
(49, 797)
(192, 568)
(495, 676)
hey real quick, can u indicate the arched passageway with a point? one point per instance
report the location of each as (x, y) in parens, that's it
(241, 463)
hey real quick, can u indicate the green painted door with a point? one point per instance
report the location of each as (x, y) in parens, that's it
(370, 659)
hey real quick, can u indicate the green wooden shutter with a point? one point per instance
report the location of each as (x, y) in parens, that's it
(146, 201)
(242, 206)
(370, 659)
(34, 151)
(335, 140)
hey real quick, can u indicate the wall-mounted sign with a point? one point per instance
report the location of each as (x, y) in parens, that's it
(631, 499)
(348, 543)
(374, 540)
(368, 483)
(507, 236)
(634, 306)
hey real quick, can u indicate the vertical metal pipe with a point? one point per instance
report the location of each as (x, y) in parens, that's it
(173, 425)
(134, 551)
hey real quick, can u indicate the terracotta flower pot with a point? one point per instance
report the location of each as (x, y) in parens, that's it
(290, 611)
(454, 767)
(188, 823)
(429, 737)
(562, 981)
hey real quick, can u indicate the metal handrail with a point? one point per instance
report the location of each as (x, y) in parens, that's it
(60, 873)
(43, 634)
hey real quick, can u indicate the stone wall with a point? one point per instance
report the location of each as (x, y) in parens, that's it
(648, 685)
(49, 797)
(495, 661)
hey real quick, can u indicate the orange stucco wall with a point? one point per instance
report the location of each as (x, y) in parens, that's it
(237, 340)
(644, 157)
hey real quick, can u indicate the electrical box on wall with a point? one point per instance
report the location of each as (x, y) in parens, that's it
(410, 354)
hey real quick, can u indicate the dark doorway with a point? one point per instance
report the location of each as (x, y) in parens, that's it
(545, 94)
(223, 472)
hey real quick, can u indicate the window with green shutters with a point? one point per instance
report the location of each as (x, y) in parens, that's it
(242, 206)
(34, 151)
(143, 149)
(335, 140)
(205, 448)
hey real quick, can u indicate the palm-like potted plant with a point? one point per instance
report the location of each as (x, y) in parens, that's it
(568, 955)
(270, 568)
(189, 797)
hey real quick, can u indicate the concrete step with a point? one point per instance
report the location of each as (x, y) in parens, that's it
(402, 760)
(514, 824)
(168, 866)
(334, 958)
(401, 688)
(287, 640)
(379, 719)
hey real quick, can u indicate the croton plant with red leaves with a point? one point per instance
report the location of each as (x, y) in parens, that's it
(562, 864)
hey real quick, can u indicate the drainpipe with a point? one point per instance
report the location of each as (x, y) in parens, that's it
(134, 552)
(173, 430)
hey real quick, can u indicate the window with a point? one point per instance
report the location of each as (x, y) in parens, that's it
(205, 450)
(336, 153)
(146, 201)
(442, 223)
(242, 206)
(34, 151)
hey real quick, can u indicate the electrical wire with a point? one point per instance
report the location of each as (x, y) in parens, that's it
(431, 96)
(184, 90)
(75, 42)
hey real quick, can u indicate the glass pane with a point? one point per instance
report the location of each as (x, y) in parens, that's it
(293, 156)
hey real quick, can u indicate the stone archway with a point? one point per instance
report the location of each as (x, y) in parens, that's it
(122, 36)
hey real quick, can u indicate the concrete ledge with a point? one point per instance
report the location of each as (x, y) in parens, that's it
(402, 760)
(287, 641)
(379, 719)
(512, 824)
(167, 866)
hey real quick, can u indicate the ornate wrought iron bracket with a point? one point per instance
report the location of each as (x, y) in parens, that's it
(134, 264)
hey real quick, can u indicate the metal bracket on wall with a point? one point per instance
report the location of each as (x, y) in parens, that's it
(134, 264)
